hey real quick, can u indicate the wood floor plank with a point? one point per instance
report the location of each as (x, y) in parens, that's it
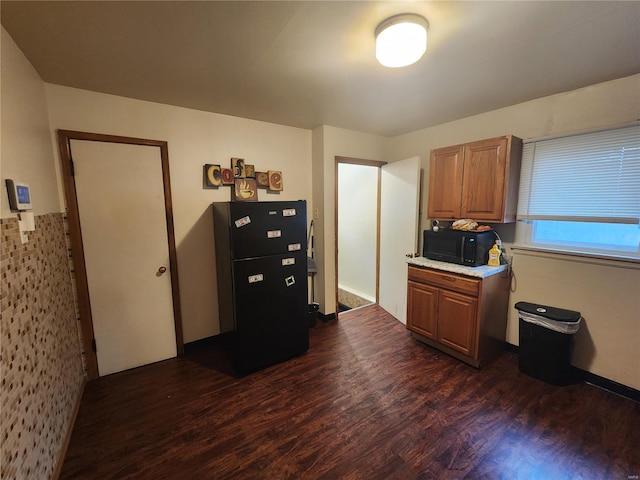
(366, 402)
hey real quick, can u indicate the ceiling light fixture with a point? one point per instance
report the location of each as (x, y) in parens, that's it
(401, 40)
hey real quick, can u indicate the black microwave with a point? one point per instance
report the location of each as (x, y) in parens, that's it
(458, 246)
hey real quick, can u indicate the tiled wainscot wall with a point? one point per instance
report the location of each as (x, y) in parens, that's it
(41, 365)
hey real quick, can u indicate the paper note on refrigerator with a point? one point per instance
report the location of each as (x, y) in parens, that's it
(241, 222)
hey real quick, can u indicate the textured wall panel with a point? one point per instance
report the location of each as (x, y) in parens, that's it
(41, 365)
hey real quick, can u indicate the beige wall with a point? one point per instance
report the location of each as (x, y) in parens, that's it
(194, 138)
(610, 103)
(26, 152)
(40, 353)
(608, 298)
(607, 294)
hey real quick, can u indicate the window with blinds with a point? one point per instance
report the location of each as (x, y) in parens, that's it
(582, 192)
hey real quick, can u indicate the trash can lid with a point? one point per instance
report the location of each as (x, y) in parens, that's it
(552, 313)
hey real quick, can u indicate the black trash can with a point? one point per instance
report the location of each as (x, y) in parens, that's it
(313, 314)
(546, 342)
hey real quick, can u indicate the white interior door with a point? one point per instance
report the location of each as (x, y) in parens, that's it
(399, 198)
(124, 233)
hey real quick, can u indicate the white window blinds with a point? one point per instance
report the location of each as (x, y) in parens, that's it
(591, 177)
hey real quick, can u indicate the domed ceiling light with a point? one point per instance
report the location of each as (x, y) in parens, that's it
(401, 40)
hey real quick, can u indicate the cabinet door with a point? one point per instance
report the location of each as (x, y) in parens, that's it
(483, 187)
(445, 182)
(422, 304)
(456, 321)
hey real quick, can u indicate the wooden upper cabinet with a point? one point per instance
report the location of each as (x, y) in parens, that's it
(483, 182)
(446, 173)
(477, 180)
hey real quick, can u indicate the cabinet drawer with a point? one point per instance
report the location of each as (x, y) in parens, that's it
(445, 280)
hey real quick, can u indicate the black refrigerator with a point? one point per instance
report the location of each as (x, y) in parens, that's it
(261, 264)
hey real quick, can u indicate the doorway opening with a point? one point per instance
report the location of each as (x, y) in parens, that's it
(396, 200)
(357, 232)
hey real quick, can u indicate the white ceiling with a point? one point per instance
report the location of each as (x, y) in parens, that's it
(308, 63)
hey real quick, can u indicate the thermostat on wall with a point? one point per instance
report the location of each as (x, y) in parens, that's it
(19, 195)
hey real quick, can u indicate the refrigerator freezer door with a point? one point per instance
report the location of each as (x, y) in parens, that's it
(271, 310)
(267, 228)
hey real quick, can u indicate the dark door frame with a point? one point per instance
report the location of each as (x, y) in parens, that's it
(75, 236)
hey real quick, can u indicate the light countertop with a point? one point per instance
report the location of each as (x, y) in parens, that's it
(481, 271)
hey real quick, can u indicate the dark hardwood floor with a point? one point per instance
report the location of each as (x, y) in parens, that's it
(366, 402)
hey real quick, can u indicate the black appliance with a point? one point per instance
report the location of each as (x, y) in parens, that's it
(458, 246)
(261, 264)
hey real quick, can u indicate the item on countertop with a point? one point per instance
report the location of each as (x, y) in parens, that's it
(464, 224)
(482, 228)
(494, 256)
(457, 246)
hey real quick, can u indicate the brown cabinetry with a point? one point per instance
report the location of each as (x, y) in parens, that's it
(463, 316)
(457, 321)
(476, 180)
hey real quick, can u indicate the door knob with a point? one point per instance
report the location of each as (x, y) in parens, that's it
(161, 270)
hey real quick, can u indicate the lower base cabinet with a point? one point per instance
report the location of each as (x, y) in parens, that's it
(463, 316)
